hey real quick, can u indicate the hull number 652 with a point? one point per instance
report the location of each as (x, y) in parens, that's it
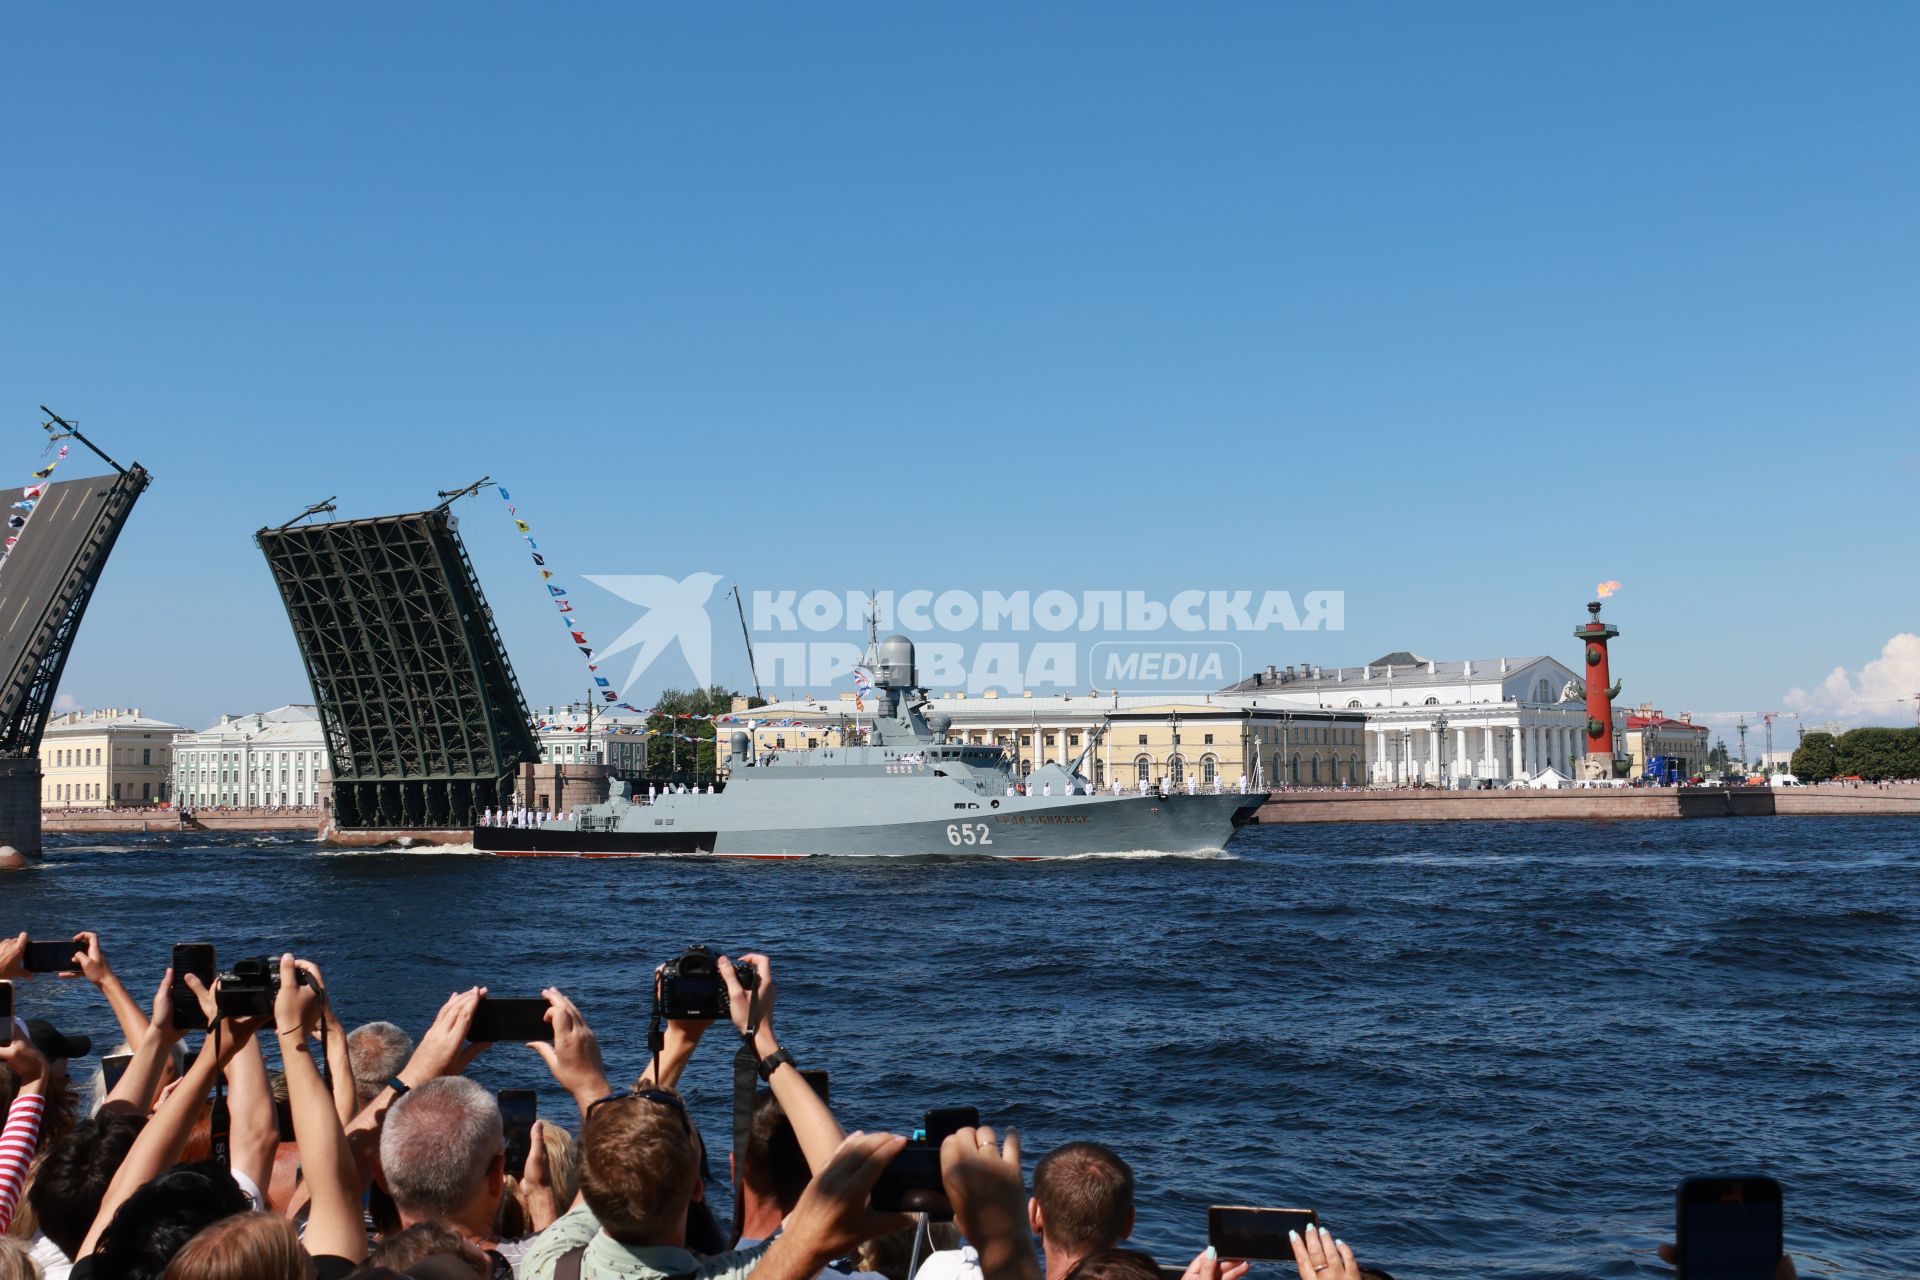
(959, 833)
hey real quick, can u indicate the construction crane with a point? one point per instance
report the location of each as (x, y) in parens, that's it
(753, 668)
(1770, 717)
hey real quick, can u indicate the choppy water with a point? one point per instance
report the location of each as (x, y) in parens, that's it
(1476, 1050)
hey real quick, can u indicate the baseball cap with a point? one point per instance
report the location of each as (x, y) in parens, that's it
(53, 1044)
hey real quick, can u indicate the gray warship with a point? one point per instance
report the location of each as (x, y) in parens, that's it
(910, 789)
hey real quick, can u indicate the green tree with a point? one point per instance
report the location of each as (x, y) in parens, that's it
(682, 747)
(1718, 759)
(1814, 760)
(1876, 754)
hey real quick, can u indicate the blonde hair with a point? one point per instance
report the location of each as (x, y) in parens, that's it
(247, 1246)
(563, 1175)
(15, 1262)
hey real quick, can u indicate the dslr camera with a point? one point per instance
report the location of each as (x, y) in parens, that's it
(247, 990)
(691, 988)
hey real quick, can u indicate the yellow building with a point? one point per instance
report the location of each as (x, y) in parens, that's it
(101, 759)
(1151, 738)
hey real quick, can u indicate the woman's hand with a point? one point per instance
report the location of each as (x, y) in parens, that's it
(1320, 1257)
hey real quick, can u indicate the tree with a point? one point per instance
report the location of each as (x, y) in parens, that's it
(1718, 759)
(1815, 759)
(682, 746)
(1877, 754)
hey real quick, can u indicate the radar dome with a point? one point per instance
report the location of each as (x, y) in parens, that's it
(895, 665)
(737, 746)
(940, 722)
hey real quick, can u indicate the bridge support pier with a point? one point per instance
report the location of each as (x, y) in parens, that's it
(19, 811)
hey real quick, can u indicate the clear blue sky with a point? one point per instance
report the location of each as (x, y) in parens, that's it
(1458, 309)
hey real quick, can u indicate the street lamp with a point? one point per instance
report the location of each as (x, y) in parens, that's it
(1440, 748)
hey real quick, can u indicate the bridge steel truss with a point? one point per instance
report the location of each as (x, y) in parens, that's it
(424, 721)
(48, 581)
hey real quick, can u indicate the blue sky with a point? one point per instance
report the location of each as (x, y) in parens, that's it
(1456, 309)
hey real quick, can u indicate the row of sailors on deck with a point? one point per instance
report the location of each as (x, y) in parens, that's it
(1082, 787)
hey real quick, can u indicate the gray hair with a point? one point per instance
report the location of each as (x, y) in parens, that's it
(377, 1052)
(437, 1145)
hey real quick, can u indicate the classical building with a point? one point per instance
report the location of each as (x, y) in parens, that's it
(1155, 738)
(565, 738)
(98, 759)
(1478, 722)
(1654, 733)
(262, 760)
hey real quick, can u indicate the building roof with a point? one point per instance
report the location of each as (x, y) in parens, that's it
(1400, 667)
(1015, 710)
(1659, 720)
(120, 719)
(297, 722)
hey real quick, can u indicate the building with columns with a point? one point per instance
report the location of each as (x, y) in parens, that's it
(266, 759)
(1160, 739)
(1479, 722)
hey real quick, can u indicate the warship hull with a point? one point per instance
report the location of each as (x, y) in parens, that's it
(1024, 827)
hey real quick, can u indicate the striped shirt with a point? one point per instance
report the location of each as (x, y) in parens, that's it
(17, 1142)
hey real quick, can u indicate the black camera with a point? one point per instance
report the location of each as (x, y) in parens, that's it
(911, 1181)
(247, 990)
(691, 987)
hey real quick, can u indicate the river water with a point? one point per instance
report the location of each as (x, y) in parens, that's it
(1487, 1049)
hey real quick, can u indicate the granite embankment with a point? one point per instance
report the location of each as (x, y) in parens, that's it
(165, 821)
(1899, 799)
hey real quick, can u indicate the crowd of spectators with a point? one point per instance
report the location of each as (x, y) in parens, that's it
(382, 1159)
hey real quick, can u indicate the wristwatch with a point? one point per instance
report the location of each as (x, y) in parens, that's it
(774, 1061)
(400, 1087)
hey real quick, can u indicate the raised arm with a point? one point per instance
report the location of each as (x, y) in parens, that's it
(91, 963)
(818, 1133)
(255, 1136)
(22, 1132)
(574, 1055)
(335, 1226)
(442, 1051)
(834, 1214)
(159, 1145)
(989, 1198)
(134, 1093)
(346, 1096)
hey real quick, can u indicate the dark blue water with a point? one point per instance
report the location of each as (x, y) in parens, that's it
(1476, 1050)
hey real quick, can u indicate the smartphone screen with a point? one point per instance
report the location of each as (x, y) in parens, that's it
(51, 957)
(517, 1110)
(1256, 1235)
(6, 1013)
(506, 1018)
(818, 1079)
(112, 1067)
(194, 958)
(1729, 1228)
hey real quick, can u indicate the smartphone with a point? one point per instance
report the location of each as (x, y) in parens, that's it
(52, 957)
(194, 958)
(911, 1181)
(499, 1019)
(818, 1079)
(1729, 1228)
(283, 1118)
(517, 1110)
(1247, 1234)
(6, 1013)
(112, 1067)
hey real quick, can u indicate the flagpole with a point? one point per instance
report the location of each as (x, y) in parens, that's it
(74, 431)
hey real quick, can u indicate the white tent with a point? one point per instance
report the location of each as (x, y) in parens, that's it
(1549, 779)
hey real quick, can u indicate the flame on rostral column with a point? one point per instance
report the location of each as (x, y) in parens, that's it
(1606, 589)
